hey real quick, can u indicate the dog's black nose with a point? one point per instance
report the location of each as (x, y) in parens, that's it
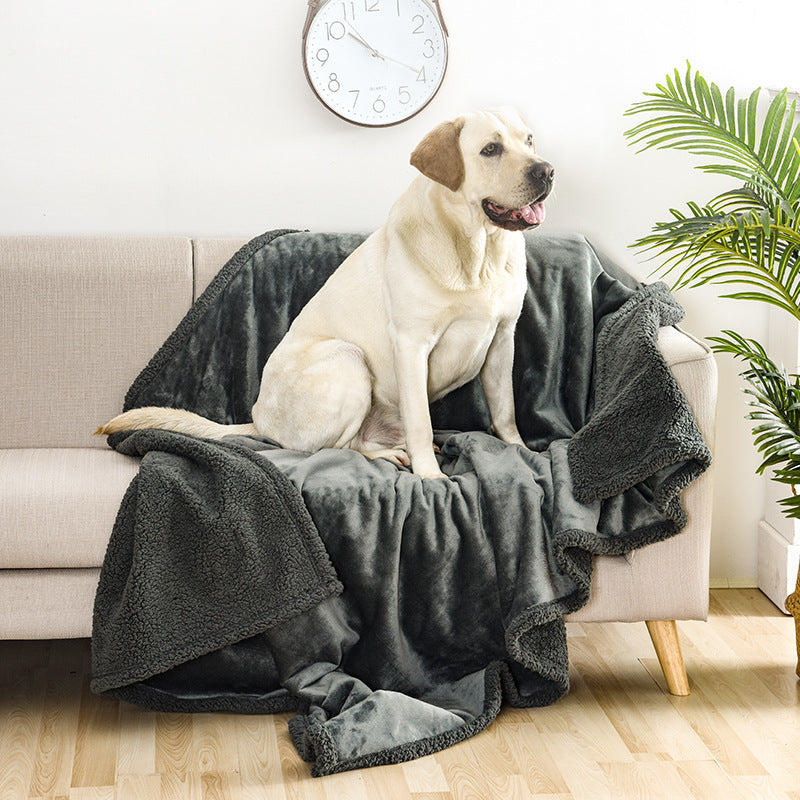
(542, 171)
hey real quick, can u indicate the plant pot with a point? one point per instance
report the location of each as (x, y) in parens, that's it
(793, 607)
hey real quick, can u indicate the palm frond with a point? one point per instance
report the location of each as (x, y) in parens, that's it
(747, 238)
(687, 113)
(775, 407)
(749, 248)
(739, 347)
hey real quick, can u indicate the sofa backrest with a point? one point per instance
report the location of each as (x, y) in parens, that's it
(79, 319)
(210, 255)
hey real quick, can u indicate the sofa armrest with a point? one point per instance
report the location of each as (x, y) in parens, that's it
(669, 579)
(695, 370)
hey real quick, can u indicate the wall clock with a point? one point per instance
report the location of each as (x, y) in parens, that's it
(375, 62)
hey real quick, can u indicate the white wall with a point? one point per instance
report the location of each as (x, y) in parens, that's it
(193, 117)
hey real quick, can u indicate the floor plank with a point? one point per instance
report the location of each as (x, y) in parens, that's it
(618, 734)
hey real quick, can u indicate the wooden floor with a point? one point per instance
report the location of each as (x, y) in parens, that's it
(617, 735)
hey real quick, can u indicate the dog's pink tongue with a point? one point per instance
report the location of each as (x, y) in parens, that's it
(533, 214)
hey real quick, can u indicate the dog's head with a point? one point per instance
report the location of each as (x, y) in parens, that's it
(490, 158)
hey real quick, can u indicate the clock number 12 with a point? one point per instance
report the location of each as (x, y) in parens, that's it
(349, 8)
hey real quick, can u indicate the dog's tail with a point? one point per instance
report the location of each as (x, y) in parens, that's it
(172, 419)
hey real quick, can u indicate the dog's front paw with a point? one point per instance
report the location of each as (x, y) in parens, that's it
(429, 475)
(509, 436)
(427, 466)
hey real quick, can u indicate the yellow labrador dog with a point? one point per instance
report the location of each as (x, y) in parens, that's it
(426, 303)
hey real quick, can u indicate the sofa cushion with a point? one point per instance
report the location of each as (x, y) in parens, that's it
(58, 506)
(79, 318)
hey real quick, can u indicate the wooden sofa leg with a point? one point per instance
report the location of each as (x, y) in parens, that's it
(664, 634)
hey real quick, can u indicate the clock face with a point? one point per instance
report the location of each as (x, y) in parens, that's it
(375, 62)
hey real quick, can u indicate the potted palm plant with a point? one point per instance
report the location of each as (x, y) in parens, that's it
(746, 238)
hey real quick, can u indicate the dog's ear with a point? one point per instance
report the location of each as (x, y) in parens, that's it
(438, 155)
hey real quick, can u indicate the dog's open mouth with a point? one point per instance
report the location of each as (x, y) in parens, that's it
(515, 219)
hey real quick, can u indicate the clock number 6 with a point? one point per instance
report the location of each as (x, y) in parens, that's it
(379, 106)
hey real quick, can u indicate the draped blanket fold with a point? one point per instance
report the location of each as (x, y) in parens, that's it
(393, 614)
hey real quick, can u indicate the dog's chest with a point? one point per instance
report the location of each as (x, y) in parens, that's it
(458, 356)
(461, 349)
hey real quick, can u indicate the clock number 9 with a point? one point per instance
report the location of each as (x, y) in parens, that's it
(322, 55)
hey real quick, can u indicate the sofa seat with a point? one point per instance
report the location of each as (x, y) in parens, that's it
(47, 603)
(58, 505)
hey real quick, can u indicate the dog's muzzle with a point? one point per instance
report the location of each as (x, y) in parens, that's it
(540, 175)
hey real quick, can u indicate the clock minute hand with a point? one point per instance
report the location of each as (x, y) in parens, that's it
(354, 34)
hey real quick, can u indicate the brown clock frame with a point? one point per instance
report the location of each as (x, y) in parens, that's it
(313, 7)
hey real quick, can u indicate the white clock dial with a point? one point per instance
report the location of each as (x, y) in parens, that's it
(375, 62)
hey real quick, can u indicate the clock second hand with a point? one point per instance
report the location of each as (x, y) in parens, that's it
(400, 63)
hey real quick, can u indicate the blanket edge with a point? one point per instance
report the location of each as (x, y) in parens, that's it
(199, 307)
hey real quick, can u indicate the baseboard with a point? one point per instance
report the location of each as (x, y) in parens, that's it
(778, 562)
(733, 583)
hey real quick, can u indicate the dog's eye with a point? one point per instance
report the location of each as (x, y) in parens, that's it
(492, 149)
(529, 140)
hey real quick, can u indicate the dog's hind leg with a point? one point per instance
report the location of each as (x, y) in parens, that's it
(383, 436)
(395, 455)
(314, 395)
(376, 439)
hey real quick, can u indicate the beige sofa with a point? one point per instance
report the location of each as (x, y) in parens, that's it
(80, 317)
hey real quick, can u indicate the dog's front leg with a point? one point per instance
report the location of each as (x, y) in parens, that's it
(496, 377)
(411, 369)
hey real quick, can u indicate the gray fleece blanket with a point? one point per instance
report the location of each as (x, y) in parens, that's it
(393, 614)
